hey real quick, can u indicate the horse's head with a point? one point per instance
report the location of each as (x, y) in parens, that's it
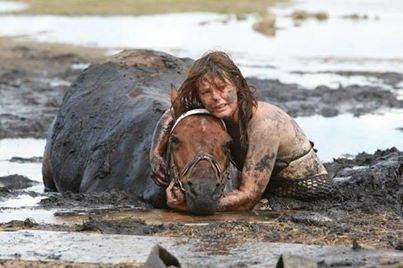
(199, 160)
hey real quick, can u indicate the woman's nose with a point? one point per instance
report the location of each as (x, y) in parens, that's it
(215, 95)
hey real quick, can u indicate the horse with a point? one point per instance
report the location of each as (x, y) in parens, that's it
(101, 136)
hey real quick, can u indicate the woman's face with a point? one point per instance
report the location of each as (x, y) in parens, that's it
(219, 96)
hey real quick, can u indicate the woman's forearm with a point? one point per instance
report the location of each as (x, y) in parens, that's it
(237, 201)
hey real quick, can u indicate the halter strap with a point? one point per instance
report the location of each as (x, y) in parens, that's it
(192, 112)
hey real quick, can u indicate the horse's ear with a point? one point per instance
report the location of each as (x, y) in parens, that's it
(174, 94)
(174, 101)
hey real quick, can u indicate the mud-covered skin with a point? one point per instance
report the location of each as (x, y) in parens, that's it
(272, 136)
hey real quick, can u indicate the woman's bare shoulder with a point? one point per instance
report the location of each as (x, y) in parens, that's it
(267, 114)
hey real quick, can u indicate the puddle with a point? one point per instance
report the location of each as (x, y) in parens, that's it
(22, 200)
(25, 148)
(336, 44)
(79, 66)
(346, 134)
(9, 6)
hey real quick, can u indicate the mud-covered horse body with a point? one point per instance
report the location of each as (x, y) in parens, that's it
(101, 136)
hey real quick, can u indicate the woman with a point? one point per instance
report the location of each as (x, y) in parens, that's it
(267, 144)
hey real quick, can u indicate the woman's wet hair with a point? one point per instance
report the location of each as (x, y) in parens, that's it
(220, 64)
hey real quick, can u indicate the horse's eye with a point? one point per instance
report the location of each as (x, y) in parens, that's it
(174, 139)
(227, 143)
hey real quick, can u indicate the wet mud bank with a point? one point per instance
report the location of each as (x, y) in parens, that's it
(33, 79)
(325, 101)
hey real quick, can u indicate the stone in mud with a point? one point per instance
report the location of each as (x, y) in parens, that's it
(160, 258)
(266, 24)
(16, 182)
(101, 136)
(288, 260)
(307, 217)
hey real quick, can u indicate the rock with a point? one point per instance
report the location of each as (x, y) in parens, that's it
(287, 260)
(266, 24)
(300, 15)
(16, 182)
(309, 218)
(399, 245)
(322, 15)
(356, 245)
(160, 258)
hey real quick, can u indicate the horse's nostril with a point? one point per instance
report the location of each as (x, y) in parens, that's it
(217, 185)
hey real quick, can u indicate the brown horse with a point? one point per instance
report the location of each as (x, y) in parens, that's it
(199, 159)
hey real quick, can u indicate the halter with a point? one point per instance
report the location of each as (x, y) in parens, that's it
(173, 171)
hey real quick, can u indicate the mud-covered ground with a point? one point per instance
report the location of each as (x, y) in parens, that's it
(33, 78)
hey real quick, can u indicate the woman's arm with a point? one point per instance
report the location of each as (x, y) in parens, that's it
(259, 163)
(158, 147)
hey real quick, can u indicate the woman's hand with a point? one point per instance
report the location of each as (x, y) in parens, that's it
(175, 197)
(159, 170)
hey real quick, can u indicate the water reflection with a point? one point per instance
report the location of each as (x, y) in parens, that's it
(346, 134)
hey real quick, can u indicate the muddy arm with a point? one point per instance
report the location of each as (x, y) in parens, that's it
(256, 173)
(158, 147)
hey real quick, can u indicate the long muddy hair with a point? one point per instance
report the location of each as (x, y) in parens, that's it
(218, 63)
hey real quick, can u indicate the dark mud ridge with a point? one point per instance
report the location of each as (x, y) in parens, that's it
(15, 182)
(38, 79)
(323, 100)
(371, 183)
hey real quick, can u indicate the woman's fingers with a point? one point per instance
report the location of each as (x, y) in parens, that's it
(178, 195)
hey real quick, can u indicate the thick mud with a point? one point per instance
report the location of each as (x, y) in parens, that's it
(116, 199)
(15, 182)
